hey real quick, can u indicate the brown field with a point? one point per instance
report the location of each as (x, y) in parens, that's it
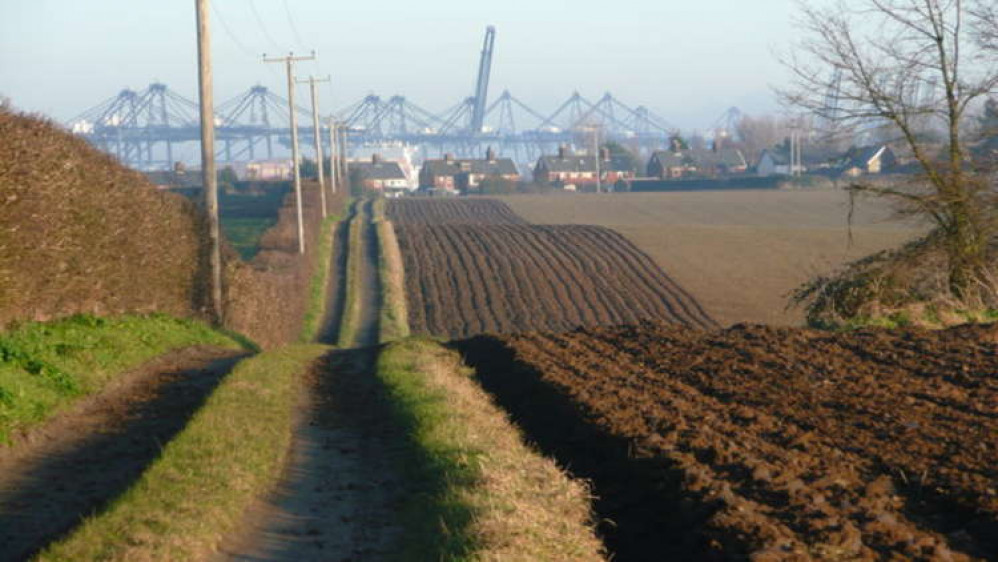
(452, 211)
(495, 277)
(739, 253)
(774, 443)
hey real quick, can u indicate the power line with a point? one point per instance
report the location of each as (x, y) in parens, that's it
(228, 31)
(246, 51)
(291, 22)
(263, 27)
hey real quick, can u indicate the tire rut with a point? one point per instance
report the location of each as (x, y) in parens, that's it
(81, 461)
(342, 485)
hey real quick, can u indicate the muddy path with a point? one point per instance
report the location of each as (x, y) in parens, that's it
(369, 280)
(342, 483)
(336, 291)
(81, 461)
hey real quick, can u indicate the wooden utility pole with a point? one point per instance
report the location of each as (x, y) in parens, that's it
(289, 62)
(599, 156)
(334, 166)
(312, 81)
(209, 180)
(342, 145)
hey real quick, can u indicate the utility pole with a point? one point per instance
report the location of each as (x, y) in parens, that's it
(599, 156)
(209, 180)
(312, 81)
(342, 145)
(289, 63)
(333, 156)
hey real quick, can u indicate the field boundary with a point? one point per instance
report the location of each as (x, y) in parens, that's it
(484, 494)
(394, 322)
(232, 452)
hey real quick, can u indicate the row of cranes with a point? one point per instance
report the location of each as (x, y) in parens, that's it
(142, 128)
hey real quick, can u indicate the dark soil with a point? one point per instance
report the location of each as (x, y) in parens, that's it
(412, 212)
(463, 280)
(80, 462)
(771, 443)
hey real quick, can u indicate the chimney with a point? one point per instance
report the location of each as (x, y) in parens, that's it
(448, 157)
(490, 154)
(604, 154)
(562, 152)
(375, 159)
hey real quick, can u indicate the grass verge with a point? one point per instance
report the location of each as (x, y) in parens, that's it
(46, 366)
(394, 321)
(484, 494)
(317, 291)
(197, 492)
(927, 317)
(244, 233)
(351, 310)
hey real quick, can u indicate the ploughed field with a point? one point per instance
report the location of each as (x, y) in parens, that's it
(472, 267)
(451, 211)
(783, 443)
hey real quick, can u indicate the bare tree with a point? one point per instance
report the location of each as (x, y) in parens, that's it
(759, 133)
(987, 28)
(909, 62)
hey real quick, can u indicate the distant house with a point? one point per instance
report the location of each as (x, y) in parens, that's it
(616, 167)
(869, 160)
(684, 163)
(772, 163)
(380, 175)
(389, 152)
(566, 168)
(440, 174)
(466, 174)
(268, 170)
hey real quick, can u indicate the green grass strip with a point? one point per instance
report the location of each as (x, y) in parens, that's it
(231, 453)
(244, 233)
(394, 321)
(318, 293)
(482, 494)
(47, 366)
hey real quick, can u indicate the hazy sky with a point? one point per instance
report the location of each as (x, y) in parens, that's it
(686, 60)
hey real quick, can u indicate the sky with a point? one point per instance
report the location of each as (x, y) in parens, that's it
(687, 61)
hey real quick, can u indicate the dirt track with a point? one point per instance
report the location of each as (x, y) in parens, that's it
(342, 484)
(502, 277)
(84, 459)
(774, 442)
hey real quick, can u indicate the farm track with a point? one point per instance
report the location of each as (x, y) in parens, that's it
(777, 443)
(80, 462)
(342, 487)
(473, 267)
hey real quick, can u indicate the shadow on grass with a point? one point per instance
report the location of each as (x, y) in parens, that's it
(82, 469)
